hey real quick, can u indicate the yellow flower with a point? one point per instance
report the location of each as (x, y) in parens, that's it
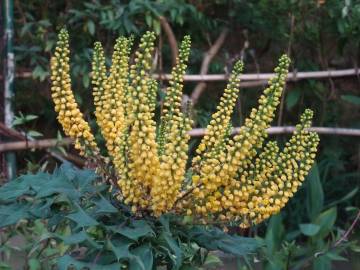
(173, 139)
(69, 114)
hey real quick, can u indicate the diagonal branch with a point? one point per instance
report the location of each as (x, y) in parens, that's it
(209, 55)
(171, 38)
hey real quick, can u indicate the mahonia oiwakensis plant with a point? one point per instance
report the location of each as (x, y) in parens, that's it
(238, 179)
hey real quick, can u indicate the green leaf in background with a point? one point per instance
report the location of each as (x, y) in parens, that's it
(42, 209)
(148, 19)
(292, 98)
(322, 263)
(177, 255)
(14, 189)
(11, 214)
(315, 193)
(40, 73)
(91, 27)
(212, 261)
(274, 234)
(351, 99)
(34, 133)
(135, 230)
(103, 206)
(157, 27)
(30, 117)
(347, 197)
(57, 185)
(326, 221)
(34, 264)
(66, 261)
(120, 248)
(144, 258)
(216, 239)
(81, 180)
(85, 81)
(5, 266)
(82, 219)
(309, 229)
(75, 238)
(23, 119)
(335, 257)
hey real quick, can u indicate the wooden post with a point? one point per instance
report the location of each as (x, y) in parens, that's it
(8, 78)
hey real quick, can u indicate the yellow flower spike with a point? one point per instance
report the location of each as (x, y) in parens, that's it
(293, 162)
(240, 150)
(173, 139)
(99, 80)
(115, 99)
(172, 102)
(109, 95)
(220, 126)
(143, 154)
(256, 182)
(253, 132)
(69, 114)
(210, 152)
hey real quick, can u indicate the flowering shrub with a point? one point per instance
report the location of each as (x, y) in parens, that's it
(231, 179)
(150, 209)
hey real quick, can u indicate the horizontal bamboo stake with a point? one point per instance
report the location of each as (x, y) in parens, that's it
(292, 76)
(38, 144)
(196, 132)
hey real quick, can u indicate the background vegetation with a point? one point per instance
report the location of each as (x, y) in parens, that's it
(318, 35)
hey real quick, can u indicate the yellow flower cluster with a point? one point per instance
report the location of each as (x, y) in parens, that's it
(220, 125)
(229, 179)
(267, 184)
(223, 168)
(68, 111)
(109, 98)
(173, 139)
(144, 160)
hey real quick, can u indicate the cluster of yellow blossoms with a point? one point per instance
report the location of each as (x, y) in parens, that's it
(68, 111)
(231, 178)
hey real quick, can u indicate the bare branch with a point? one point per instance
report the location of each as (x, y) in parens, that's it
(171, 38)
(209, 55)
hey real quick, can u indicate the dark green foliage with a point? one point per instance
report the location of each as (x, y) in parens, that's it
(313, 239)
(97, 232)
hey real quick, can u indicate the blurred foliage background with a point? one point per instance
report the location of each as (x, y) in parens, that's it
(318, 35)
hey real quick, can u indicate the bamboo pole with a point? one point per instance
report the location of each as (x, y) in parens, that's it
(8, 75)
(14, 134)
(36, 144)
(196, 132)
(292, 76)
